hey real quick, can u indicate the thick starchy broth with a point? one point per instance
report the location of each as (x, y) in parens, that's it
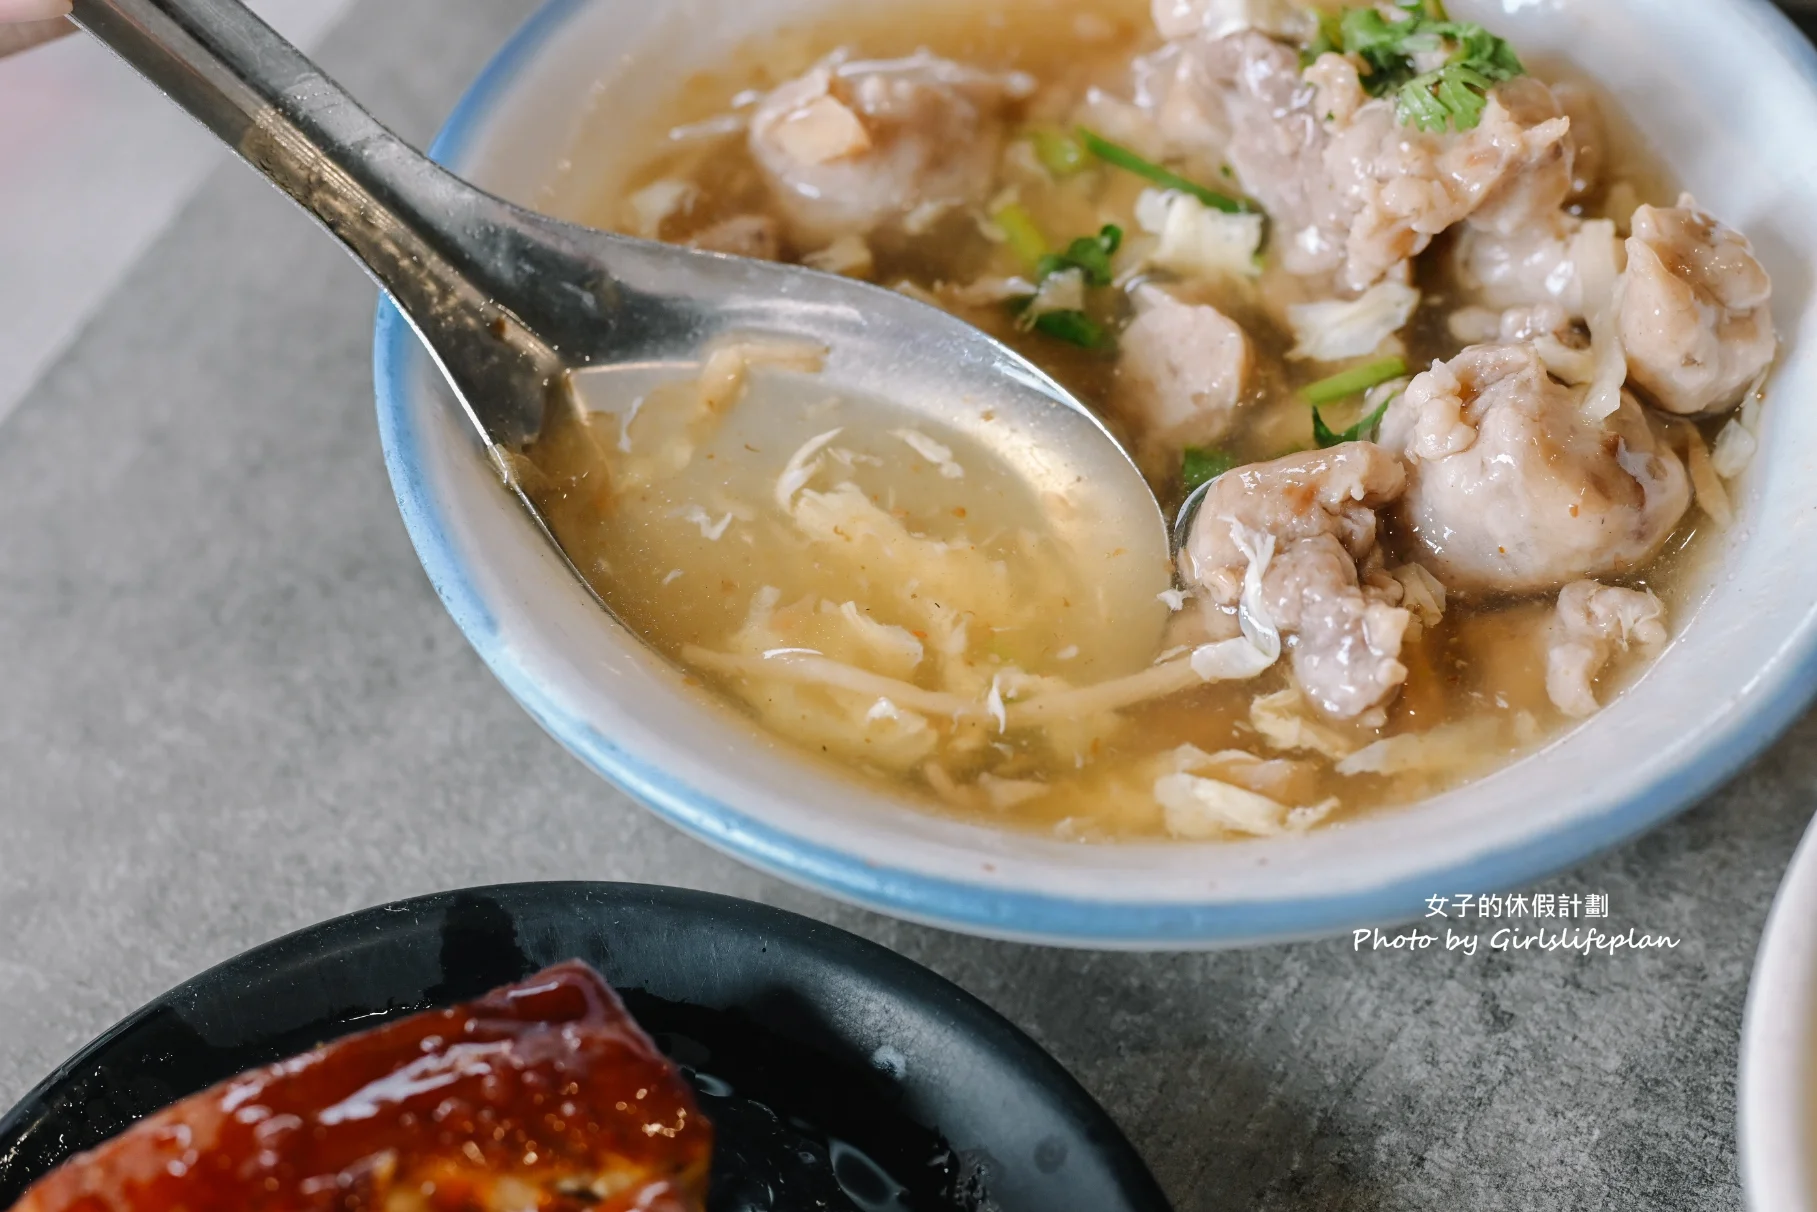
(877, 560)
(888, 596)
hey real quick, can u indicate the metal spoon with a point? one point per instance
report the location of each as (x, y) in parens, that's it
(509, 302)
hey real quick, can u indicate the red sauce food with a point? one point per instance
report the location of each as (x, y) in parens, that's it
(542, 1095)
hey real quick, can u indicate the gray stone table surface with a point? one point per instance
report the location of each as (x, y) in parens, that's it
(230, 706)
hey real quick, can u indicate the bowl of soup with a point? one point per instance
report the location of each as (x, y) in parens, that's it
(1778, 1093)
(1475, 337)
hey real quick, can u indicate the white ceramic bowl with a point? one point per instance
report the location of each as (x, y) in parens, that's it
(1724, 89)
(1779, 1050)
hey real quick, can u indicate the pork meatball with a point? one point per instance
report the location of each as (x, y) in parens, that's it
(1537, 264)
(1183, 372)
(1324, 587)
(1694, 317)
(1512, 488)
(852, 147)
(1279, 146)
(1592, 623)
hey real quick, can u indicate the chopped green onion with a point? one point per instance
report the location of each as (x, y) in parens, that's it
(1074, 327)
(1362, 431)
(1059, 153)
(1091, 254)
(1352, 382)
(1019, 229)
(1200, 464)
(1122, 157)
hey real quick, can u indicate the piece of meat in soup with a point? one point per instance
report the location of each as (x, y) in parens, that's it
(1535, 264)
(1175, 113)
(1279, 143)
(1591, 624)
(1354, 192)
(1512, 488)
(852, 147)
(1182, 373)
(1519, 164)
(1589, 138)
(1694, 316)
(1325, 586)
(1513, 168)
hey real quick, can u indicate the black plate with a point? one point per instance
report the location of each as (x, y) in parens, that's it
(839, 1074)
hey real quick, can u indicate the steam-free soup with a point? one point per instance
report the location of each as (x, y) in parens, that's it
(1465, 402)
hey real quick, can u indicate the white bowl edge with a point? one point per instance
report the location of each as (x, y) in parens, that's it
(1778, 1098)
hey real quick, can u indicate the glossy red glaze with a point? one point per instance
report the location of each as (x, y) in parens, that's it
(541, 1095)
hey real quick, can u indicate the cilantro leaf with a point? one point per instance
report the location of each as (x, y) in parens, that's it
(1449, 96)
(1381, 42)
(1328, 40)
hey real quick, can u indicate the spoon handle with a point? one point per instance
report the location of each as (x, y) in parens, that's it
(455, 260)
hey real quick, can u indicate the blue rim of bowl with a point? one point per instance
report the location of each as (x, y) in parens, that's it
(980, 908)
